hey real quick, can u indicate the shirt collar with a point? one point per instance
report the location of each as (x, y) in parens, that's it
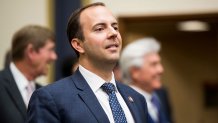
(94, 81)
(19, 78)
(142, 92)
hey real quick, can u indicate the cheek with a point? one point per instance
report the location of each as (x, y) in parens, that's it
(95, 38)
(89, 47)
(119, 38)
(146, 74)
(42, 61)
(92, 43)
(145, 78)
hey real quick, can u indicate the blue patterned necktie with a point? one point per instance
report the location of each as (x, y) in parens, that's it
(156, 103)
(117, 111)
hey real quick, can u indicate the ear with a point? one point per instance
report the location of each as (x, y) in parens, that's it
(77, 45)
(30, 52)
(134, 73)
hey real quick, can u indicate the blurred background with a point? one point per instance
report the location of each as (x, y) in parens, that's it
(187, 30)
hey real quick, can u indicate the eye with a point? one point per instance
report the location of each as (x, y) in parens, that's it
(99, 29)
(116, 28)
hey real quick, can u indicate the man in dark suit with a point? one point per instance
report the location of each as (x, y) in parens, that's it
(91, 94)
(32, 50)
(143, 69)
(165, 101)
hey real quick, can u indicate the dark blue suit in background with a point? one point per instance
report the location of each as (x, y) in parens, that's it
(71, 100)
(12, 106)
(163, 95)
(165, 107)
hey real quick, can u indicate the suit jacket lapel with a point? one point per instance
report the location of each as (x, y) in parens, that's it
(89, 98)
(14, 92)
(130, 103)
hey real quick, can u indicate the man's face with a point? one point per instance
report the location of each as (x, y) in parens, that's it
(43, 57)
(151, 71)
(102, 40)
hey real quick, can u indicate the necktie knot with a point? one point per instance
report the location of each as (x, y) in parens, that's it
(29, 90)
(117, 111)
(155, 101)
(108, 88)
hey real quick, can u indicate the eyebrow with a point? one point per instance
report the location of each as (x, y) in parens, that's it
(114, 23)
(104, 24)
(99, 24)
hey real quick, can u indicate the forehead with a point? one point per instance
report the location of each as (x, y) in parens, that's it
(49, 43)
(150, 57)
(96, 14)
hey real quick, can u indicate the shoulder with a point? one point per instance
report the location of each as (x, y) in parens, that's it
(65, 87)
(128, 90)
(130, 95)
(57, 86)
(6, 77)
(5, 73)
(55, 93)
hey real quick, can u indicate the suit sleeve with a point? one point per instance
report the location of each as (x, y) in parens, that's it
(42, 108)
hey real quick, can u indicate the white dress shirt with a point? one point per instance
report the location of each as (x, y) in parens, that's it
(152, 110)
(95, 82)
(21, 82)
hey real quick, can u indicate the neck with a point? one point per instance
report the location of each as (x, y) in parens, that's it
(103, 70)
(25, 69)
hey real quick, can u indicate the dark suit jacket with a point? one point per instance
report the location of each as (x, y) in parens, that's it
(162, 93)
(165, 108)
(71, 100)
(12, 106)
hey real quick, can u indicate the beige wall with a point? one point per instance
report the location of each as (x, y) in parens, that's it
(157, 7)
(189, 63)
(15, 14)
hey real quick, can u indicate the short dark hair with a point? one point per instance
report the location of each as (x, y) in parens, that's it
(68, 64)
(74, 29)
(31, 34)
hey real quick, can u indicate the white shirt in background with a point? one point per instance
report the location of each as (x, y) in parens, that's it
(152, 110)
(21, 82)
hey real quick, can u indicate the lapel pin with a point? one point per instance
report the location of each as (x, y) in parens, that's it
(130, 99)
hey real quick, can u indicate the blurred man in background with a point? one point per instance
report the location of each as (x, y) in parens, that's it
(31, 52)
(141, 67)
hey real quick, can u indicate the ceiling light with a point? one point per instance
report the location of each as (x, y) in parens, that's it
(193, 26)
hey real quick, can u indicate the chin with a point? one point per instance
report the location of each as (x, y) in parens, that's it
(113, 58)
(157, 84)
(45, 72)
(113, 61)
(116, 58)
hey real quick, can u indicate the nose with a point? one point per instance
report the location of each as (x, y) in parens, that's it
(112, 32)
(53, 56)
(160, 68)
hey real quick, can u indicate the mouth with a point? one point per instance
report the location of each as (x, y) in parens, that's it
(112, 46)
(157, 78)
